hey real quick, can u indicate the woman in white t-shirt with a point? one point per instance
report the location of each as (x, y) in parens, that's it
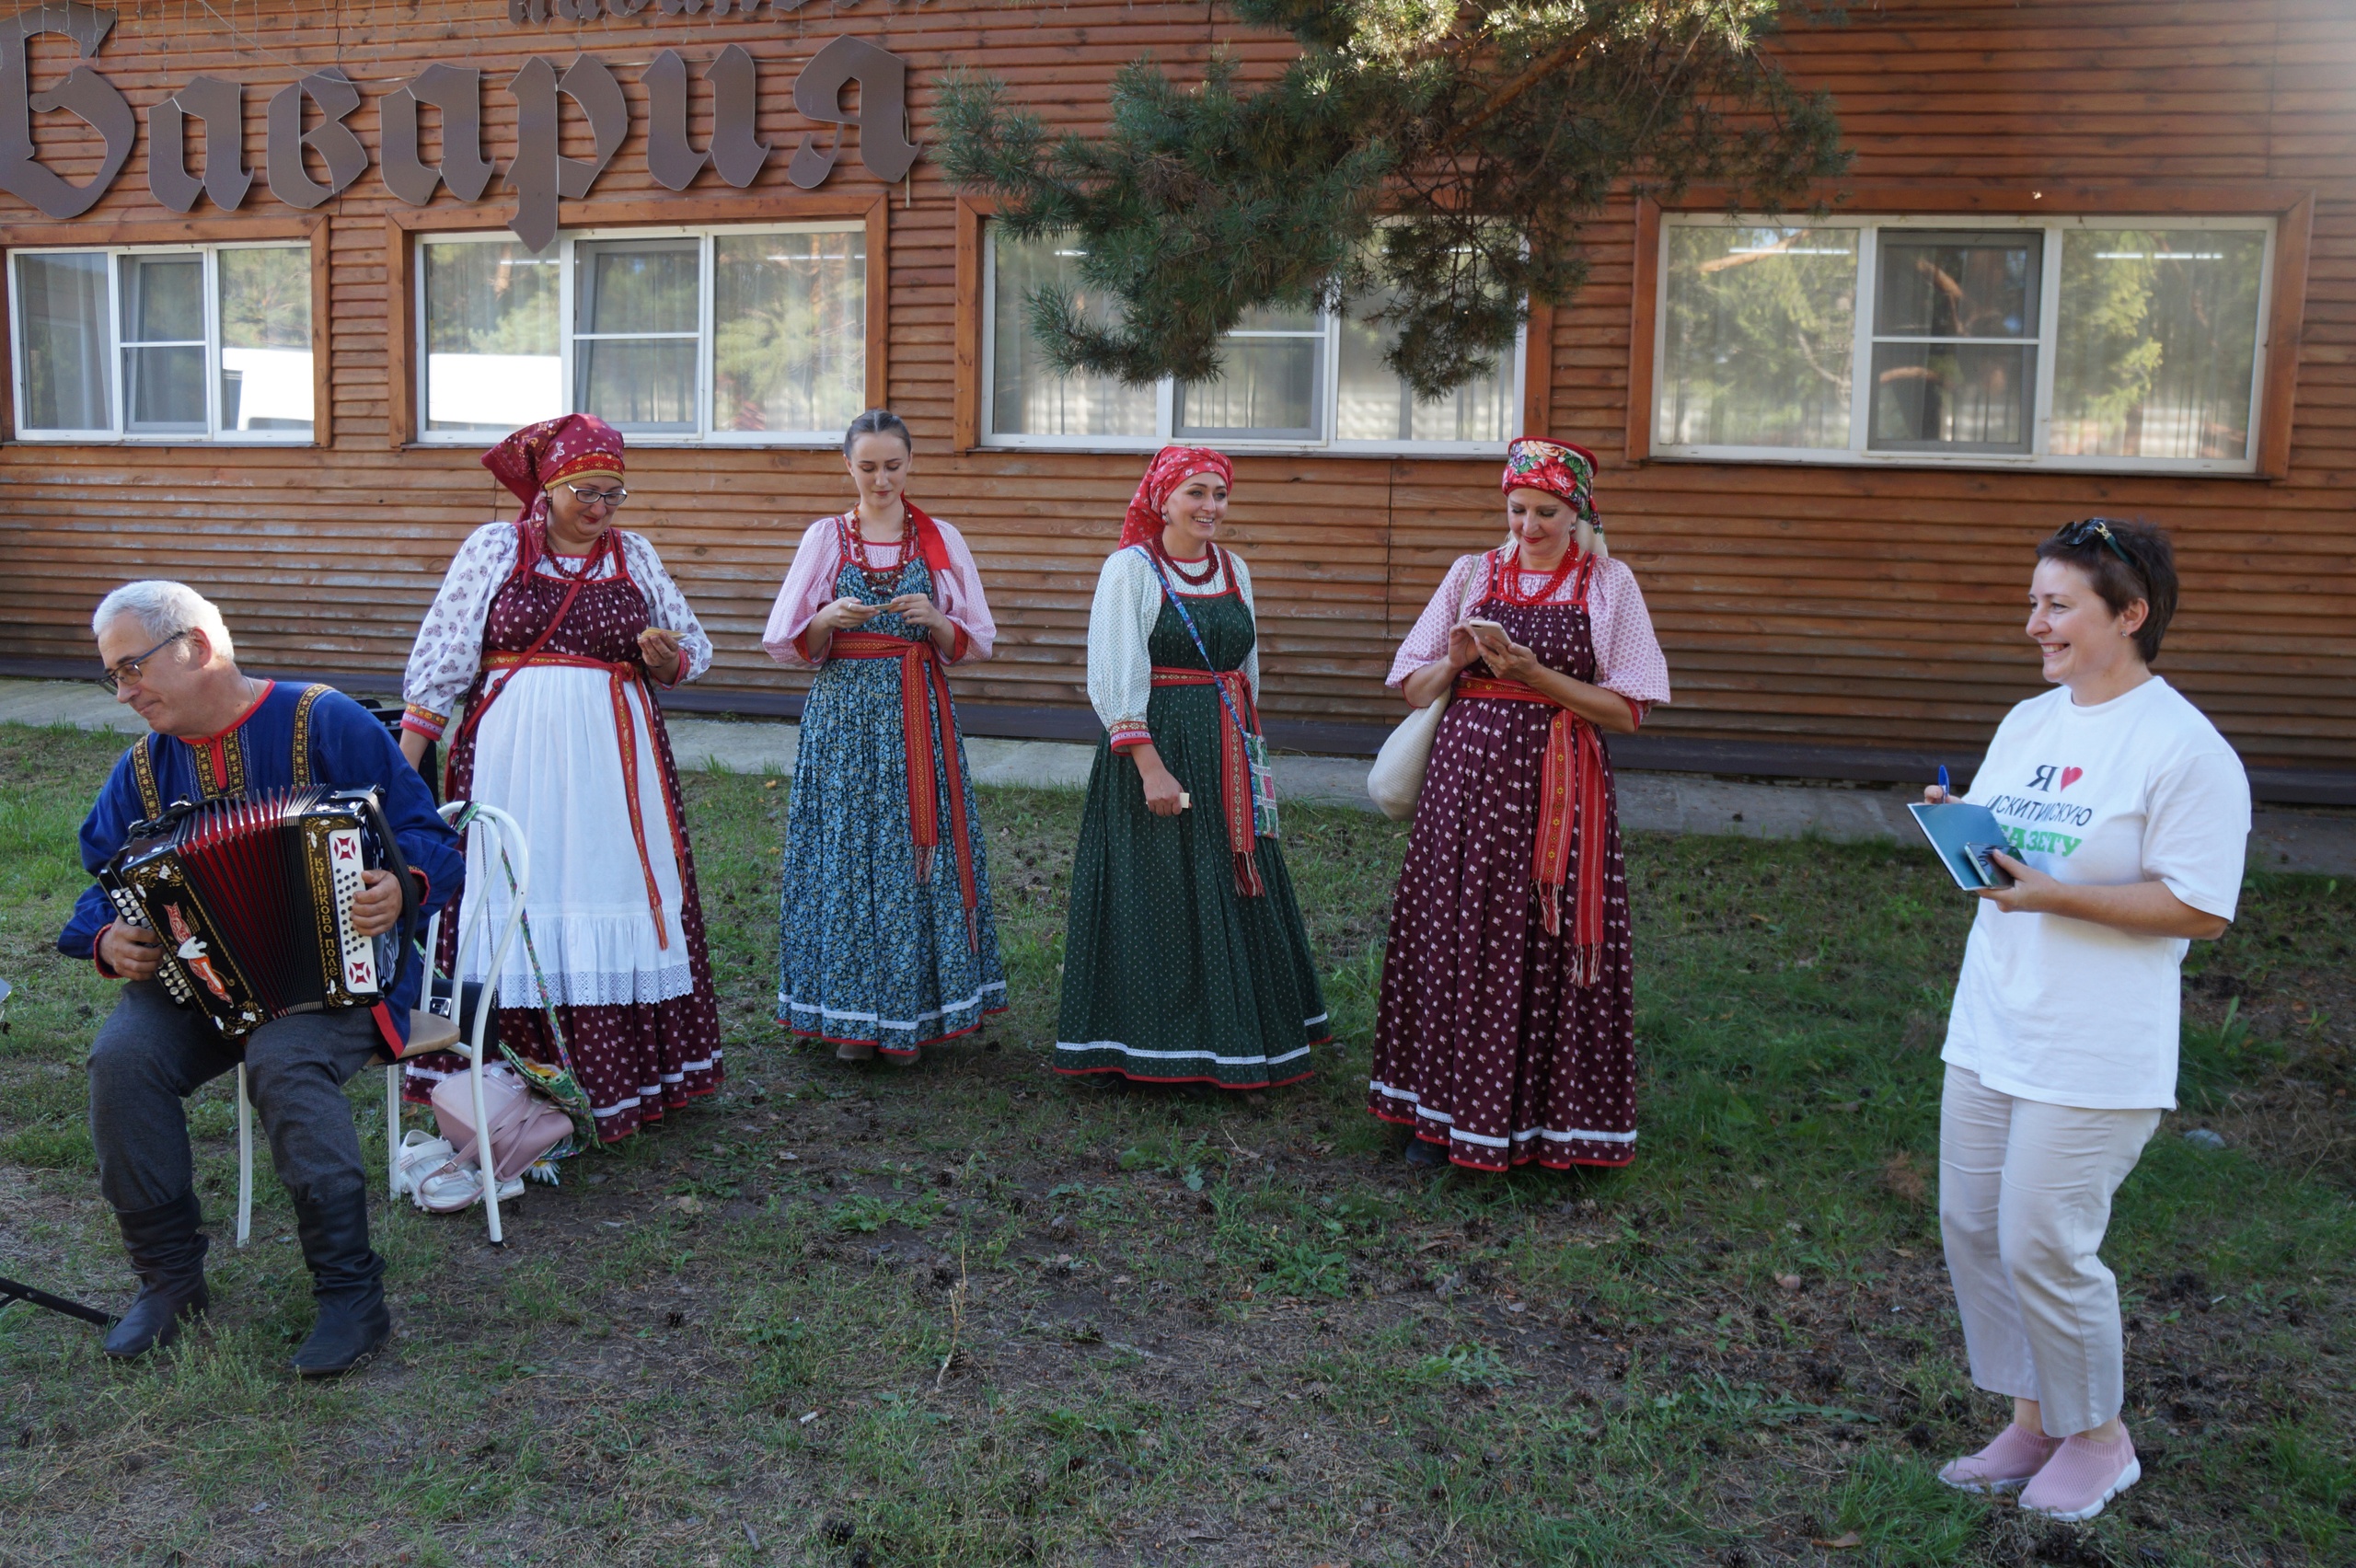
(2126, 813)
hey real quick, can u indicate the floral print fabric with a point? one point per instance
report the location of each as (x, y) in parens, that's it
(867, 954)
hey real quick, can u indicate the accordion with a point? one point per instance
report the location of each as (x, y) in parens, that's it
(253, 901)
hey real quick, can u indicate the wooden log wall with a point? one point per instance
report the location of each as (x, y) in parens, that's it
(1811, 605)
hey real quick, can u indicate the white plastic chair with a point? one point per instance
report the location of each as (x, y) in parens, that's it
(430, 1031)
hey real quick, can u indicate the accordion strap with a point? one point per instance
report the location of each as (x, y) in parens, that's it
(302, 743)
(143, 773)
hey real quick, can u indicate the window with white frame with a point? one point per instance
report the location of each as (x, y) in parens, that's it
(1289, 378)
(204, 342)
(2113, 343)
(745, 336)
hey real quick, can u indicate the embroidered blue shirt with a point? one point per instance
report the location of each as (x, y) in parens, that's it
(346, 748)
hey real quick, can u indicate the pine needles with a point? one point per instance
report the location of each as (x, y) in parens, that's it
(1436, 162)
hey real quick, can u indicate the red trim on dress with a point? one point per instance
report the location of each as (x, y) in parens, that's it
(383, 1014)
(104, 972)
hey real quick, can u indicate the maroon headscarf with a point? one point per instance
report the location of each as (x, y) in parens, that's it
(546, 454)
(1172, 467)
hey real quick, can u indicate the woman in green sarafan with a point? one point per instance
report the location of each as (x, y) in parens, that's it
(1186, 961)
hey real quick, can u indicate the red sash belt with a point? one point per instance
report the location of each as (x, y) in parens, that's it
(619, 679)
(1234, 767)
(1574, 788)
(916, 658)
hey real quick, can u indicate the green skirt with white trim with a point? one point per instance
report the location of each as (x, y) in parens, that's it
(1171, 975)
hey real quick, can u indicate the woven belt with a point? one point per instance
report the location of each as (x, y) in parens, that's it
(921, 667)
(1575, 789)
(619, 679)
(1234, 767)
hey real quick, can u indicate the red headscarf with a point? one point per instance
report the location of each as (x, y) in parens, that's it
(548, 454)
(1172, 467)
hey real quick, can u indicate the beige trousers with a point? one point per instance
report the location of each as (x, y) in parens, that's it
(2025, 1192)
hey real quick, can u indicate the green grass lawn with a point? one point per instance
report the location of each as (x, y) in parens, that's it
(978, 1313)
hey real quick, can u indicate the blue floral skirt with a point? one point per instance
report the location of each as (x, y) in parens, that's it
(869, 955)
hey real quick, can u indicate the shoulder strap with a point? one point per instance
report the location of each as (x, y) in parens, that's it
(1179, 605)
(302, 743)
(142, 771)
(1476, 584)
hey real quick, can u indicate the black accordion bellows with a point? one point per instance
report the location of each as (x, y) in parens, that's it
(253, 901)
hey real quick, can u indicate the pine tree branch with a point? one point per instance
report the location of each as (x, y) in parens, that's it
(1502, 99)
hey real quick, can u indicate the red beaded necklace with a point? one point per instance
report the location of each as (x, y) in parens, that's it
(589, 563)
(1211, 565)
(882, 576)
(1507, 587)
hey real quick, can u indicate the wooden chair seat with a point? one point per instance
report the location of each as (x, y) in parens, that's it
(430, 1032)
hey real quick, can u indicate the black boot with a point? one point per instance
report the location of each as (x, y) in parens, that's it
(167, 1253)
(347, 1280)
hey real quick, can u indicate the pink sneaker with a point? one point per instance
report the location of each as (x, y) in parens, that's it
(2015, 1455)
(2083, 1476)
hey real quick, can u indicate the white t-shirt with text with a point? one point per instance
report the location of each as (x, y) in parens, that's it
(2141, 788)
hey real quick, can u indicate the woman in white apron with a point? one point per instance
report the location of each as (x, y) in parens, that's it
(551, 632)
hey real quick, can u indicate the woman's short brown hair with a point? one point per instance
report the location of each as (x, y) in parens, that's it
(2125, 562)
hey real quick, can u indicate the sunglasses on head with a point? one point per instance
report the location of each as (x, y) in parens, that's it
(2090, 529)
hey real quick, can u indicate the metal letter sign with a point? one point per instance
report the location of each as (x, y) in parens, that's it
(83, 94)
(735, 152)
(456, 91)
(220, 105)
(883, 78)
(539, 175)
(330, 138)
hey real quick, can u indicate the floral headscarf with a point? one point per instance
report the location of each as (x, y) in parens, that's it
(1558, 469)
(1172, 467)
(541, 455)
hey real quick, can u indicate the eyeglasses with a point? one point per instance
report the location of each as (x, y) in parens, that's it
(128, 670)
(2077, 533)
(588, 497)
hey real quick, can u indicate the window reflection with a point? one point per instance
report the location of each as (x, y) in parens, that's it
(491, 338)
(1955, 350)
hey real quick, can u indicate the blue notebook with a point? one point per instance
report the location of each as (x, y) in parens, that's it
(1962, 835)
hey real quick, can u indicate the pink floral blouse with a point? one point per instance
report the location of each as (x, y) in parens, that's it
(1627, 656)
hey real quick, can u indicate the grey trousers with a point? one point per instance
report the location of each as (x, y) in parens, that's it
(150, 1055)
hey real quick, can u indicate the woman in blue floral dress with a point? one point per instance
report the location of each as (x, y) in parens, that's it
(887, 945)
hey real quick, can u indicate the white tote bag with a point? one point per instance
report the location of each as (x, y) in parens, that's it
(1396, 780)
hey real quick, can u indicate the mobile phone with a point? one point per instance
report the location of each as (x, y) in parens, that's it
(1983, 860)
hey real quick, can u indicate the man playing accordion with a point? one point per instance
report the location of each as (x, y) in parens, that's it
(220, 734)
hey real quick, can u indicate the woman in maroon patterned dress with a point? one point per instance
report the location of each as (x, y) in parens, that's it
(548, 631)
(1505, 1033)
